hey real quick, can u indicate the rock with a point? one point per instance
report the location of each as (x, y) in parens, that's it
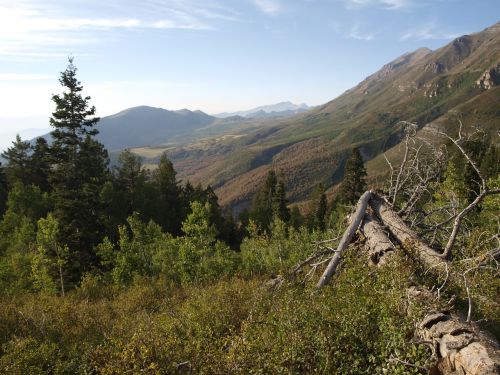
(490, 78)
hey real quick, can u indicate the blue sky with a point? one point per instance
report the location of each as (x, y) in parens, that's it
(213, 55)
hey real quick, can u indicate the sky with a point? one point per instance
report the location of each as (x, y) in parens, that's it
(211, 55)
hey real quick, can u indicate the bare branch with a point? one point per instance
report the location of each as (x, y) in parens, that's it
(346, 239)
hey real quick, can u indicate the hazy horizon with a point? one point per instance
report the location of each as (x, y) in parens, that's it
(210, 55)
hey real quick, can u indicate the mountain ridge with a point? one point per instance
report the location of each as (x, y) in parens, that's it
(279, 109)
(419, 86)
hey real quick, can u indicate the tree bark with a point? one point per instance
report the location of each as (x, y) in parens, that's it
(460, 347)
(346, 239)
(379, 246)
(398, 228)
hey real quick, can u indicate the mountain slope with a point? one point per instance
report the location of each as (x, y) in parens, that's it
(148, 126)
(309, 148)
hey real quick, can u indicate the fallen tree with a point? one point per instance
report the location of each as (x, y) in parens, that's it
(458, 345)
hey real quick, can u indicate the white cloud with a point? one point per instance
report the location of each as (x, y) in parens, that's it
(38, 27)
(426, 32)
(24, 77)
(385, 4)
(355, 32)
(268, 6)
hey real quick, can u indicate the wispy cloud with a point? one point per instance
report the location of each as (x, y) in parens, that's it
(24, 77)
(426, 32)
(268, 6)
(385, 4)
(38, 27)
(355, 32)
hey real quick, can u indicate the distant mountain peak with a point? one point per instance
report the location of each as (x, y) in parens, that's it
(286, 108)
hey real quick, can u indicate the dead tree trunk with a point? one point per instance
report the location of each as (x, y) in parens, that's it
(459, 346)
(378, 243)
(398, 228)
(356, 219)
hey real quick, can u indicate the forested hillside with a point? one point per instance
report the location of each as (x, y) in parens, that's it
(424, 87)
(125, 270)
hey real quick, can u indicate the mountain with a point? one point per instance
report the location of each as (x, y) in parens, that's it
(144, 126)
(148, 126)
(423, 87)
(283, 109)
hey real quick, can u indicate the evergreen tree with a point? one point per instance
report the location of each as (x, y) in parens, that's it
(40, 164)
(316, 218)
(280, 209)
(78, 168)
(170, 202)
(490, 163)
(18, 162)
(296, 218)
(262, 206)
(353, 184)
(130, 179)
(3, 190)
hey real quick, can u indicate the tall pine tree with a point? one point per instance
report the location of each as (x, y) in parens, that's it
(3, 190)
(269, 203)
(18, 161)
(280, 208)
(170, 205)
(40, 164)
(353, 184)
(78, 169)
(316, 218)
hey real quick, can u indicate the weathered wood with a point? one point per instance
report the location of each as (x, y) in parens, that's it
(379, 246)
(460, 347)
(404, 234)
(346, 239)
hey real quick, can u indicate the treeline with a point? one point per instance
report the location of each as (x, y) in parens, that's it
(66, 213)
(126, 270)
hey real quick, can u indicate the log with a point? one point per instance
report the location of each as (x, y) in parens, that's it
(460, 347)
(379, 246)
(356, 219)
(429, 257)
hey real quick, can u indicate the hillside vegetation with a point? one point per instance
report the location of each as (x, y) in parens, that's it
(125, 270)
(423, 87)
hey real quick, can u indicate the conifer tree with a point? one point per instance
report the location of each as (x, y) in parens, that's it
(316, 218)
(79, 164)
(3, 190)
(18, 161)
(262, 206)
(353, 184)
(490, 163)
(296, 218)
(40, 164)
(280, 209)
(170, 205)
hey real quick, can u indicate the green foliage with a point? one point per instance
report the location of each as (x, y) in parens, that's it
(278, 252)
(135, 250)
(316, 218)
(201, 256)
(270, 203)
(3, 190)
(353, 184)
(18, 161)
(233, 326)
(296, 218)
(78, 172)
(169, 197)
(25, 205)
